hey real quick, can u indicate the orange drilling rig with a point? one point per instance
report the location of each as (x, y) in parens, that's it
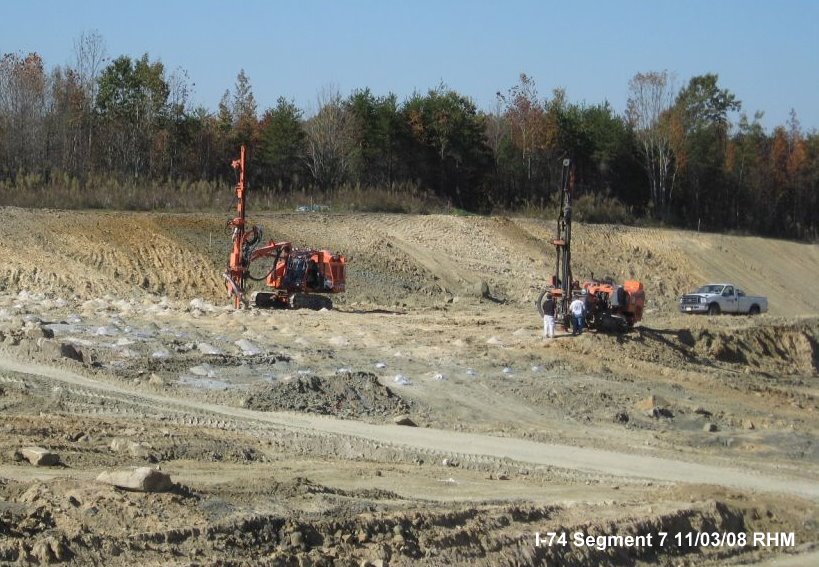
(297, 278)
(609, 306)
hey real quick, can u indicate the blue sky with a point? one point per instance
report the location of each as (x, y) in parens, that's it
(766, 52)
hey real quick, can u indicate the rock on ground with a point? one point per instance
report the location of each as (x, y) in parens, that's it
(40, 457)
(143, 479)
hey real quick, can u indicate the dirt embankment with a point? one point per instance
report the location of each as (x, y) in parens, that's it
(394, 259)
(117, 349)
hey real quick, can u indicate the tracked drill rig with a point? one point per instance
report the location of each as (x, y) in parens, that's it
(297, 278)
(609, 306)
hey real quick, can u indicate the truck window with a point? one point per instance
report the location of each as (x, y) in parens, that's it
(728, 291)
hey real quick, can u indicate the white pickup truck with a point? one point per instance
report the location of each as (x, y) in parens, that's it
(722, 298)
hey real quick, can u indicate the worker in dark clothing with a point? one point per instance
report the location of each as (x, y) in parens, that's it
(549, 317)
(312, 275)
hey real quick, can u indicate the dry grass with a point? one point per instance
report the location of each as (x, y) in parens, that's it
(99, 192)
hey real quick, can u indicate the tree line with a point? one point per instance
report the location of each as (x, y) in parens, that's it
(674, 155)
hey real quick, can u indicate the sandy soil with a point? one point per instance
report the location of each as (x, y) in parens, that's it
(118, 349)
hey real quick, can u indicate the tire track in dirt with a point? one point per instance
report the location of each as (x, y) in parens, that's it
(432, 442)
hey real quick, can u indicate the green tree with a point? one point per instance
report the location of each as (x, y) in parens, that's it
(698, 125)
(131, 100)
(378, 136)
(746, 171)
(282, 145)
(449, 134)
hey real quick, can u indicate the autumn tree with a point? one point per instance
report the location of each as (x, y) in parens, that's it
(799, 196)
(23, 109)
(524, 115)
(746, 172)
(330, 141)
(68, 123)
(244, 111)
(651, 96)
(89, 56)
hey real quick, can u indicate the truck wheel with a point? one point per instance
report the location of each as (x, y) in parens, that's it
(713, 309)
(754, 310)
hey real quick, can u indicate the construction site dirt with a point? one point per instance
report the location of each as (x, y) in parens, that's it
(422, 420)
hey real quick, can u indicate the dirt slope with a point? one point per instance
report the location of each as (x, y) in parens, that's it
(418, 260)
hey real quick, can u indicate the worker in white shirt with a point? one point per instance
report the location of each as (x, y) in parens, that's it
(577, 309)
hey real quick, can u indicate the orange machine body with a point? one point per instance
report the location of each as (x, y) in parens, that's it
(324, 272)
(612, 306)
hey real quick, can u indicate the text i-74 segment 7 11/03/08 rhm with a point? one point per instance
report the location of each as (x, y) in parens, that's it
(666, 539)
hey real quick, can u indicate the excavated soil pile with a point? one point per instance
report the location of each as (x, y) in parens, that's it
(351, 395)
(786, 348)
(203, 531)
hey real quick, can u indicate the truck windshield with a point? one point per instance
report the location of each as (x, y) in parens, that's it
(710, 289)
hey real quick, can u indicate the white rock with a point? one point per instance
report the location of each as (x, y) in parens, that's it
(402, 380)
(207, 348)
(247, 347)
(201, 305)
(380, 365)
(143, 479)
(107, 331)
(404, 420)
(205, 370)
(40, 457)
(119, 445)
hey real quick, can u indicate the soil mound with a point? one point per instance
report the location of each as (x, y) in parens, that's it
(794, 347)
(349, 395)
